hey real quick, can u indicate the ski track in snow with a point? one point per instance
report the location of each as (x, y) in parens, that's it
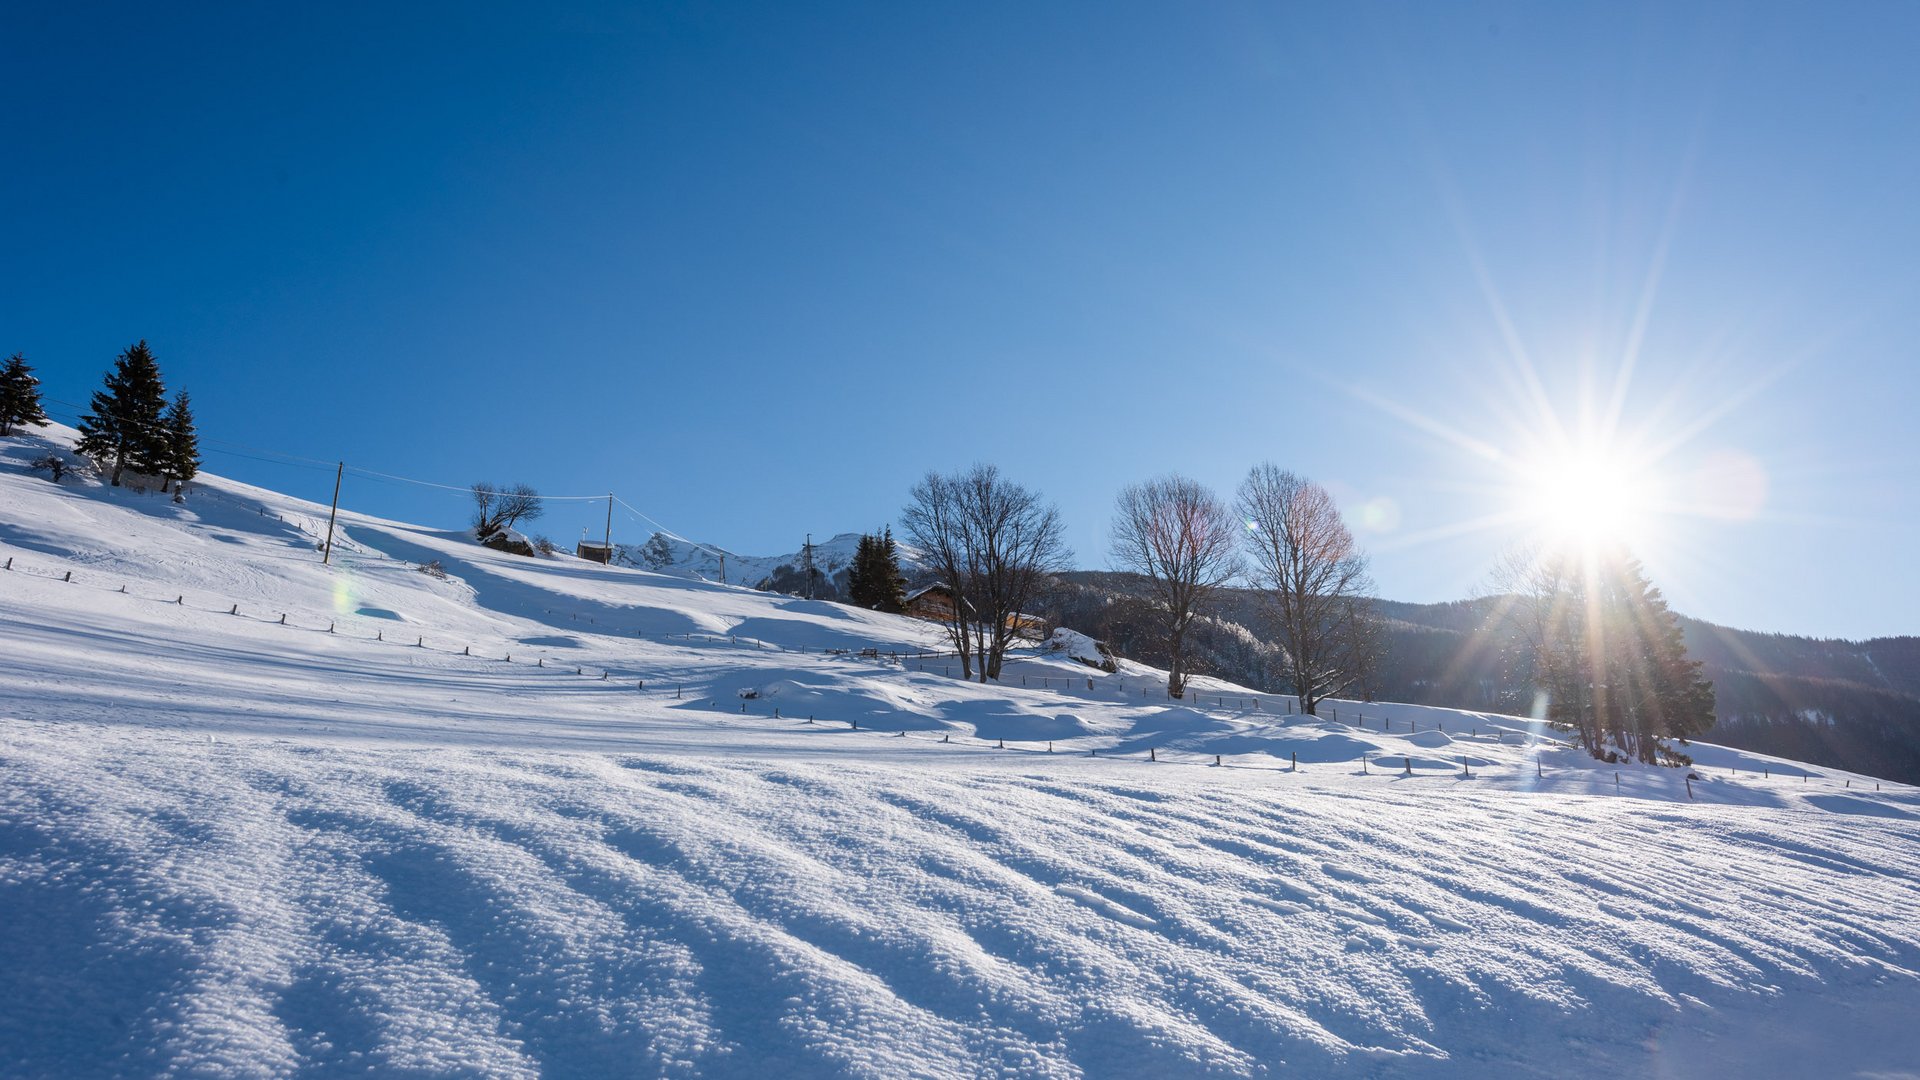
(230, 847)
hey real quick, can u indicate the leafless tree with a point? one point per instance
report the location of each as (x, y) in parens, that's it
(935, 523)
(54, 465)
(992, 541)
(1021, 540)
(1184, 541)
(497, 508)
(1304, 558)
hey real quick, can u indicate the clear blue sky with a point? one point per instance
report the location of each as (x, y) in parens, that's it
(757, 268)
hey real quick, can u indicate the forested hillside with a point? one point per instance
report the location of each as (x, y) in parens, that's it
(1848, 704)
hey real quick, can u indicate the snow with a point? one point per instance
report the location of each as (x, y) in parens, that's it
(669, 554)
(230, 846)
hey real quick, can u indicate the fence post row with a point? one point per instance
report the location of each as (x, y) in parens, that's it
(1152, 753)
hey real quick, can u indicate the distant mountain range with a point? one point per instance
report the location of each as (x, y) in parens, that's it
(832, 559)
(1847, 704)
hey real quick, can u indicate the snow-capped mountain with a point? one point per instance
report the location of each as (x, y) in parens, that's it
(832, 558)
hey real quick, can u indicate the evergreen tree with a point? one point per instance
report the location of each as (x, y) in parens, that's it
(874, 581)
(892, 589)
(1677, 702)
(124, 424)
(861, 588)
(1609, 655)
(183, 445)
(19, 396)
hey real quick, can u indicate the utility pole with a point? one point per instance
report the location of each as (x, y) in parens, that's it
(806, 560)
(609, 528)
(327, 556)
(723, 568)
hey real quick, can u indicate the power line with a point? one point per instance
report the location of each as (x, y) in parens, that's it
(669, 532)
(229, 448)
(463, 488)
(75, 408)
(281, 457)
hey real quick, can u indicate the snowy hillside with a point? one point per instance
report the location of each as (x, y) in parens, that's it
(260, 816)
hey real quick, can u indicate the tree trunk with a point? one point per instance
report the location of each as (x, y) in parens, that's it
(1176, 669)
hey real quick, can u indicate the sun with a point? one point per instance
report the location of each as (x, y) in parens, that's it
(1590, 497)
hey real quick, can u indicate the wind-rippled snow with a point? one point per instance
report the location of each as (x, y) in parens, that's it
(232, 847)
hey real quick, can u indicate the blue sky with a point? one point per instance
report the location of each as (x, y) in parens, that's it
(758, 268)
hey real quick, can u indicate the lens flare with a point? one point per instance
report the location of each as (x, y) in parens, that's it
(1590, 496)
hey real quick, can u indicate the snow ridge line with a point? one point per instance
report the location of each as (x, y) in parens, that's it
(13, 565)
(886, 656)
(961, 744)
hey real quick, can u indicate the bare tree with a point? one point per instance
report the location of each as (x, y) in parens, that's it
(992, 541)
(934, 522)
(1305, 560)
(497, 508)
(1021, 540)
(1184, 541)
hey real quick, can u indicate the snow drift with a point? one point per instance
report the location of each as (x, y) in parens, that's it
(260, 817)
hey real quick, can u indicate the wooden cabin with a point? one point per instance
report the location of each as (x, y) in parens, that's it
(935, 603)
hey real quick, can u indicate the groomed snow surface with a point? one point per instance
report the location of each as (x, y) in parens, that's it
(233, 846)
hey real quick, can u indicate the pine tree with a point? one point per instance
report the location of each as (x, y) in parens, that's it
(1680, 704)
(19, 396)
(1611, 658)
(124, 424)
(874, 580)
(862, 590)
(892, 585)
(183, 445)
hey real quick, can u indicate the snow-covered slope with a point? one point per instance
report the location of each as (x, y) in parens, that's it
(260, 816)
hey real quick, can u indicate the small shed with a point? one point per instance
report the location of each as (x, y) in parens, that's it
(594, 552)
